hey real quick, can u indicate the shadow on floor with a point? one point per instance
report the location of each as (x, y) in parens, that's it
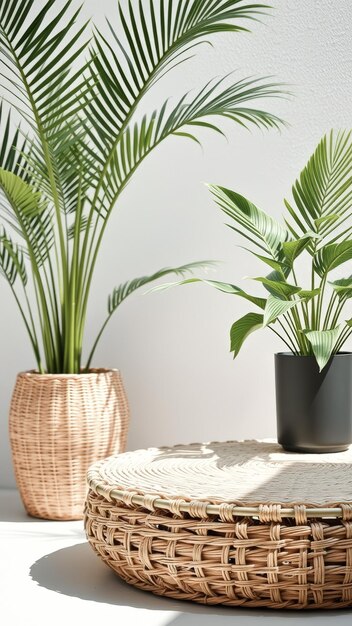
(252, 618)
(12, 509)
(77, 572)
(25, 526)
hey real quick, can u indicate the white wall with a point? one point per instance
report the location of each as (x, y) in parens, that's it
(173, 347)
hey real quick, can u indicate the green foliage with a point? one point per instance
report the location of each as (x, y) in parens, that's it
(323, 343)
(275, 307)
(319, 226)
(252, 223)
(83, 135)
(242, 328)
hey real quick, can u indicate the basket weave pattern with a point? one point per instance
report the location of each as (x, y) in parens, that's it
(201, 550)
(224, 559)
(59, 425)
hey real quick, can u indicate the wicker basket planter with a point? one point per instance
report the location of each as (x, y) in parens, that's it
(239, 524)
(59, 425)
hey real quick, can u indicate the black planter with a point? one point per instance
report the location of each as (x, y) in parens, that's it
(314, 410)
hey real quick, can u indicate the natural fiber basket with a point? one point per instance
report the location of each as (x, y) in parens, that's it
(237, 523)
(59, 425)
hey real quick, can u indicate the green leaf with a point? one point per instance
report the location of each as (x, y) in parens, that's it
(11, 260)
(237, 291)
(343, 287)
(292, 249)
(28, 214)
(21, 194)
(323, 343)
(11, 148)
(326, 219)
(187, 136)
(144, 50)
(224, 287)
(120, 293)
(87, 136)
(252, 223)
(123, 291)
(322, 194)
(277, 266)
(308, 294)
(242, 328)
(140, 138)
(331, 256)
(276, 307)
(278, 287)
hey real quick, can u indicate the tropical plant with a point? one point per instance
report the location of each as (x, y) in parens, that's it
(318, 227)
(82, 136)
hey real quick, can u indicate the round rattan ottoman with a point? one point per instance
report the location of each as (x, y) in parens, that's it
(235, 523)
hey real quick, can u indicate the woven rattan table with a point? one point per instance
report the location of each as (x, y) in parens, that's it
(235, 523)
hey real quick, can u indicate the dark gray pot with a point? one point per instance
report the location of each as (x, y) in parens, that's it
(314, 410)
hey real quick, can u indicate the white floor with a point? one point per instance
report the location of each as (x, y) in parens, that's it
(50, 576)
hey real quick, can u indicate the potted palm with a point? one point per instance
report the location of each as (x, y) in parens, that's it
(314, 374)
(82, 136)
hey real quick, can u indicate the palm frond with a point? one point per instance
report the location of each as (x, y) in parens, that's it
(139, 139)
(12, 264)
(331, 256)
(40, 47)
(12, 145)
(122, 292)
(323, 193)
(85, 138)
(149, 43)
(28, 215)
(252, 223)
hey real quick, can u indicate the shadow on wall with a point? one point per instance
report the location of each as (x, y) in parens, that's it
(77, 572)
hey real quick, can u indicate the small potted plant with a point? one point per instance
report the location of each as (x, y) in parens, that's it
(314, 375)
(84, 133)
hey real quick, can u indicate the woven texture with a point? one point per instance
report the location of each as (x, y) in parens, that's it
(246, 472)
(262, 560)
(59, 425)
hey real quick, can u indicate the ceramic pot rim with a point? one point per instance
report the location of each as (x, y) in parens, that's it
(305, 356)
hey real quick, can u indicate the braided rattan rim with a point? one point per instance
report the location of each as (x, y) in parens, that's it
(211, 509)
(133, 497)
(93, 372)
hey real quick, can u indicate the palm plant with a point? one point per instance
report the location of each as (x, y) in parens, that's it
(82, 136)
(319, 226)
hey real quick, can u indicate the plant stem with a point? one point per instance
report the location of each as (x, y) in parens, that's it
(295, 325)
(292, 347)
(320, 302)
(47, 159)
(333, 299)
(32, 336)
(72, 351)
(313, 320)
(282, 339)
(342, 339)
(336, 316)
(304, 305)
(92, 352)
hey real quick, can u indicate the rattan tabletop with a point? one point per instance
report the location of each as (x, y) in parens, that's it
(245, 474)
